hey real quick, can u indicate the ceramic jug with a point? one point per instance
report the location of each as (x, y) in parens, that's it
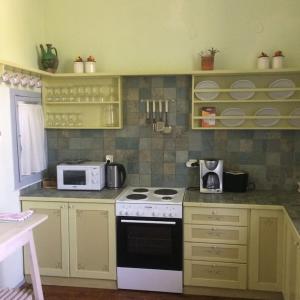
(49, 58)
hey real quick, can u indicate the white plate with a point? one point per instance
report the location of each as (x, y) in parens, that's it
(294, 113)
(207, 84)
(282, 83)
(267, 111)
(234, 111)
(242, 84)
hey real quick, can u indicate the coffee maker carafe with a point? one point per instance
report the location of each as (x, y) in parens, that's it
(211, 176)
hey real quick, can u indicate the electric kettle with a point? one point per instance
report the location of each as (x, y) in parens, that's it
(115, 175)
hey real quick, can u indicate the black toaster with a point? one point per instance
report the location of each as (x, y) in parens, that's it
(235, 181)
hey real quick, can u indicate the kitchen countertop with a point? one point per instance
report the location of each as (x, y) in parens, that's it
(289, 200)
(103, 196)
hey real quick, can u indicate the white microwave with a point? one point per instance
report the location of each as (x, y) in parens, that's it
(89, 176)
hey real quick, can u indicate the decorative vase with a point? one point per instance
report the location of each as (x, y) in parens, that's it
(207, 62)
(277, 62)
(90, 67)
(263, 62)
(49, 58)
(78, 67)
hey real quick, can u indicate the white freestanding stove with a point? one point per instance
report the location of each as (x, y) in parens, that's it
(149, 239)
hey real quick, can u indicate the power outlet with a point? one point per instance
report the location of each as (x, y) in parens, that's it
(192, 163)
(109, 157)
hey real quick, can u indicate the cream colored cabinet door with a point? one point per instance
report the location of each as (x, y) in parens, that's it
(215, 234)
(215, 274)
(292, 265)
(92, 241)
(266, 250)
(216, 216)
(51, 238)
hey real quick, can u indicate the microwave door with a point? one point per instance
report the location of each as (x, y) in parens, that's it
(74, 177)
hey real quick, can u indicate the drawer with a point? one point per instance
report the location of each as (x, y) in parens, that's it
(215, 252)
(215, 234)
(216, 216)
(221, 275)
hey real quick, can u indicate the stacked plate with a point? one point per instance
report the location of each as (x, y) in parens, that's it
(242, 84)
(207, 84)
(233, 112)
(295, 113)
(282, 83)
(267, 112)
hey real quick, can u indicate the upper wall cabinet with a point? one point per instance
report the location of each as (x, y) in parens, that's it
(246, 100)
(84, 102)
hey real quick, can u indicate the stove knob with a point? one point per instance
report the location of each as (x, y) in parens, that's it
(153, 214)
(164, 214)
(170, 215)
(126, 213)
(120, 212)
(137, 213)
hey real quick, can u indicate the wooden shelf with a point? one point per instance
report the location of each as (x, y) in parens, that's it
(83, 114)
(247, 90)
(13, 66)
(259, 100)
(244, 101)
(81, 103)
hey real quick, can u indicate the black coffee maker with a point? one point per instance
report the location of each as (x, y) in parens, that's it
(211, 176)
(115, 175)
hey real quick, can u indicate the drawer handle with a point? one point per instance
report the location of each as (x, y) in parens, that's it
(213, 270)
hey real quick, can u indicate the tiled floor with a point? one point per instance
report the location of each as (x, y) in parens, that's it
(72, 293)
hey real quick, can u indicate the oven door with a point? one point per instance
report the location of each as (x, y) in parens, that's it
(149, 243)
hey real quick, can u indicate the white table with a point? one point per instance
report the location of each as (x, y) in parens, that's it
(17, 234)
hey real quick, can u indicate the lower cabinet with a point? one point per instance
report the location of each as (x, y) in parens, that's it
(77, 240)
(215, 247)
(266, 250)
(291, 288)
(215, 274)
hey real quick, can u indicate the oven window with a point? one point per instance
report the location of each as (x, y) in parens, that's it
(74, 177)
(149, 246)
(145, 240)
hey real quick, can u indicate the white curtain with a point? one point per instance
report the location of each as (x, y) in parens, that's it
(32, 138)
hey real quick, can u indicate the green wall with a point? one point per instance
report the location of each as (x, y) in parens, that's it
(150, 35)
(167, 35)
(21, 30)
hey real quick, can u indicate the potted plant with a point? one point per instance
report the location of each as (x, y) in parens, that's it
(78, 65)
(263, 61)
(90, 65)
(277, 60)
(208, 58)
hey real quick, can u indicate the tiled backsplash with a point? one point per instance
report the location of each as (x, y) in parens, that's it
(272, 158)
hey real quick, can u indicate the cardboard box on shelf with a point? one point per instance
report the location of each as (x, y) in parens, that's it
(208, 112)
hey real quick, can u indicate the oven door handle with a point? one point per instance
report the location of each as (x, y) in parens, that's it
(148, 222)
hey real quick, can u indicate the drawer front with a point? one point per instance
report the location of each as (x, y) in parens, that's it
(221, 275)
(215, 252)
(215, 234)
(216, 216)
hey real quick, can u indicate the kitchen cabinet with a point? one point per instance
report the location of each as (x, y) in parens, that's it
(266, 250)
(268, 99)
(215, 247)
(291, 288)
(77, 240)
(51, 238)
(86, 102)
